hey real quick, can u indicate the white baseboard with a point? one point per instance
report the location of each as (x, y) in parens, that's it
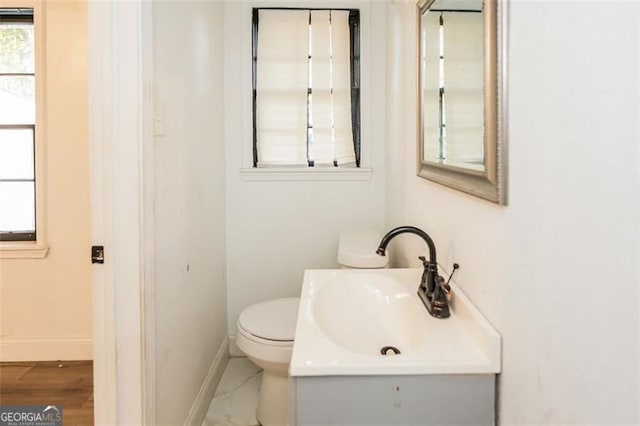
(205, 395)
(46, 349)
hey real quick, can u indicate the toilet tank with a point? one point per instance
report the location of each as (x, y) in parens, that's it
(357, 249)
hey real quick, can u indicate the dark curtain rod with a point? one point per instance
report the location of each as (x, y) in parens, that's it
(305, 8)
(454, 10)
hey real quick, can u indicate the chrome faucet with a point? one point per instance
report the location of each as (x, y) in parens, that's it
(432, 290)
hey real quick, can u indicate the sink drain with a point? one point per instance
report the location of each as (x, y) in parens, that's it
(390, 350)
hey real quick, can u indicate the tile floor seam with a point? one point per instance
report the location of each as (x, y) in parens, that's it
(234, 404)
(257, 373)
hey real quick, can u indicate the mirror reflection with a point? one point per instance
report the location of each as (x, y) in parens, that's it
(452, 83)
(461, 98)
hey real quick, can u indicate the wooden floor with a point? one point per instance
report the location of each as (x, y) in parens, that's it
(63, 383)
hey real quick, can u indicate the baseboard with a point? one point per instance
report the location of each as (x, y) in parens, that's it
(205, 395)
(46, 349)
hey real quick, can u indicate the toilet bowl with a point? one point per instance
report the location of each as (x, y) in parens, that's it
(265, 334)
(266, 330)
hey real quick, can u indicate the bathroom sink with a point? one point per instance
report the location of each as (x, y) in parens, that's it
(365, 312)
(371, 322)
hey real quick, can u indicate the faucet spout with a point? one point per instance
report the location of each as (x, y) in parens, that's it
(430, 290)
(410, 229)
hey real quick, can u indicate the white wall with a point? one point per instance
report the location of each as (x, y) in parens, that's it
(189, 205)
(556, 271)
(45, 304)
(277, 229)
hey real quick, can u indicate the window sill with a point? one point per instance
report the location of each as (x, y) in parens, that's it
(23, 250)
(306, 174)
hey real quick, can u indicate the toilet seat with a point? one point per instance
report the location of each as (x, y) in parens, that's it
(266, 331)
(271, 322)
(262, 351)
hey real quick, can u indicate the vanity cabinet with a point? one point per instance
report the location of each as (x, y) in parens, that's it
(454, 399)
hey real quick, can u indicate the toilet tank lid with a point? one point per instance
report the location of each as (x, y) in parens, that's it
(357, 249)
(272, 320)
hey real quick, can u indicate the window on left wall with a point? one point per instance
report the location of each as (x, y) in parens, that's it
(17, 125)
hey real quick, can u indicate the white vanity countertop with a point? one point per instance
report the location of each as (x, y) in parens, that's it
(464, 343)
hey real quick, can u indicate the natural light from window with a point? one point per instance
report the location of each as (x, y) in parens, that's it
(17, 125)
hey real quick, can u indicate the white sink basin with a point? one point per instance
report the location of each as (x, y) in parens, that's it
(347, 316)
(365, 312)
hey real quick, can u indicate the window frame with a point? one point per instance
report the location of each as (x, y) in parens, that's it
(22, 236)
(240, 102)
(38, 247)
(354, 49)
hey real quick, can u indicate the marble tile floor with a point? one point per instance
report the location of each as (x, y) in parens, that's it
(236, 398)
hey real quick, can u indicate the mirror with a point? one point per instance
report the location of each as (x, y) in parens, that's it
(460, 144)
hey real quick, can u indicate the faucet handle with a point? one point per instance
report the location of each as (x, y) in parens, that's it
(446, 288)
(423, 260)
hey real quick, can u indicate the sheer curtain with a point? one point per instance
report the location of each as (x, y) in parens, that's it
(464, 83)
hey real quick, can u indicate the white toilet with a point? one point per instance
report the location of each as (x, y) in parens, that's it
(266, 330)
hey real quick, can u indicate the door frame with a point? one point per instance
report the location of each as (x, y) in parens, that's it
(120, 70)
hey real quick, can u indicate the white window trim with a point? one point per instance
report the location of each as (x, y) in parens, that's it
(298, 173)
(344, 173)
(34, 249)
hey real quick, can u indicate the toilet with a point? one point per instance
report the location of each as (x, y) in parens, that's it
(266, 330)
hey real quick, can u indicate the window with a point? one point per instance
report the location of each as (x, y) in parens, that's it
(306, 87)
(17, 125)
